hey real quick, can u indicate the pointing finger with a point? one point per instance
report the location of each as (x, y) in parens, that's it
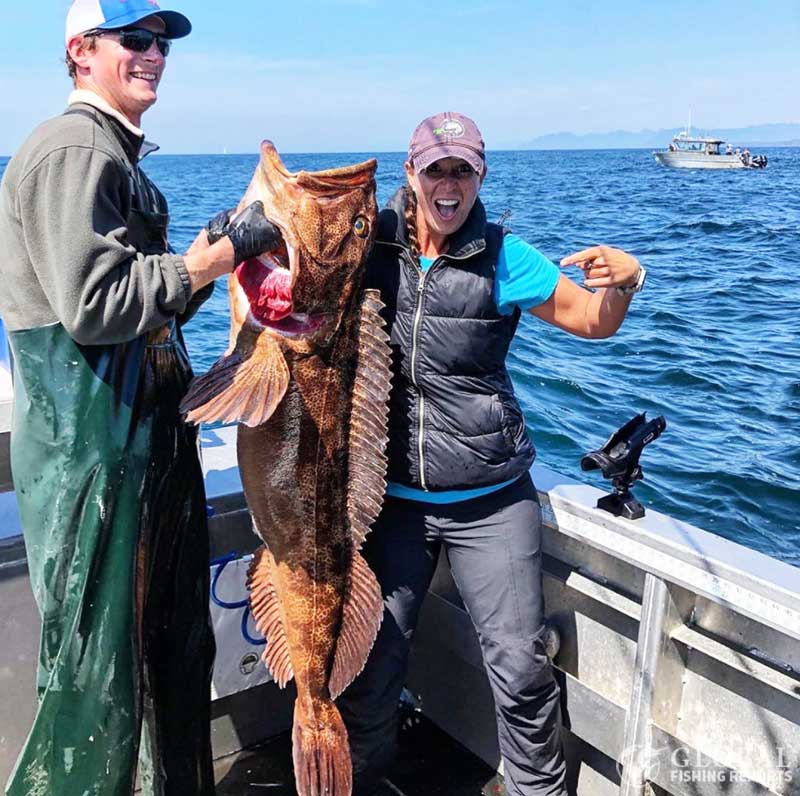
(581, 256)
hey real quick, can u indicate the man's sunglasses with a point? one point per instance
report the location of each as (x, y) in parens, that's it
(139, 40)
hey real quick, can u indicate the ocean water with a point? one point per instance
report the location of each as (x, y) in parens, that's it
(712, 343)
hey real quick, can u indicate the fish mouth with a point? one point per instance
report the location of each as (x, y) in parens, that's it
(267, 282)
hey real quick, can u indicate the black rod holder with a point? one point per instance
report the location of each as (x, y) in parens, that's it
(618, 460)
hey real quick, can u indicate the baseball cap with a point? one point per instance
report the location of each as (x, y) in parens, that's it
(86, 15)
(447, 135)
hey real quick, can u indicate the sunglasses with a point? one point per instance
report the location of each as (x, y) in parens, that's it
(137, 40)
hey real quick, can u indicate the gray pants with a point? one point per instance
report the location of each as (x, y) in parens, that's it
(493, 545)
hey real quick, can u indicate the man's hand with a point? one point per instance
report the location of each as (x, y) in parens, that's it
(604, 266)
(227, 241)
(251, 233)
(218, 226)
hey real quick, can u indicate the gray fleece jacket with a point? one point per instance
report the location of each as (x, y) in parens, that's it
(64, 253)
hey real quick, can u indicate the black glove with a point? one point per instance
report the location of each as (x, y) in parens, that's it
(217, 228)
(251, 233)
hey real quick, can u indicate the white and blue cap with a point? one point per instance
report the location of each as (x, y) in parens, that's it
(87, 15)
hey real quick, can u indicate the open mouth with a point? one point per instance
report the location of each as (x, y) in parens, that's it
(150, 77)
(267, 282)
(446, 208)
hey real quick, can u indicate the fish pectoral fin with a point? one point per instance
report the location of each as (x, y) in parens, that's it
(265, 607)
(245, 386)
(362, 613)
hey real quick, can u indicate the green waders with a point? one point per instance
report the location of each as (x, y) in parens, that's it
(112, 503)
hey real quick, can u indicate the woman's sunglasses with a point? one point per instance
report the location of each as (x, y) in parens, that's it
(139, 40)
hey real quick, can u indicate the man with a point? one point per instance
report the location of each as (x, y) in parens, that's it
(107, 475)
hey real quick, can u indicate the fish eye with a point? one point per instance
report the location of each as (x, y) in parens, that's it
(361, 227)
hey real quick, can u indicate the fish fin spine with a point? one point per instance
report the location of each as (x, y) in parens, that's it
(362, 612)
(265, 606)
(244, 386)
(320, 752)
(369, 420)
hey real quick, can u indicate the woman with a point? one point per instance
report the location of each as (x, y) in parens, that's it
(454, 288)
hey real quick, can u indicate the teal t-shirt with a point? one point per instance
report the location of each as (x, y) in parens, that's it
(524, 278)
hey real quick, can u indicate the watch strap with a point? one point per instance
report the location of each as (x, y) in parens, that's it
(636, 287)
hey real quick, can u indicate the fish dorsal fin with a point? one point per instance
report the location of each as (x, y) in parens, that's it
(244, 386)
(369, 419)
(266, 609)
(362, 610)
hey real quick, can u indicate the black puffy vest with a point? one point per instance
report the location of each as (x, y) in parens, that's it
(454, 421)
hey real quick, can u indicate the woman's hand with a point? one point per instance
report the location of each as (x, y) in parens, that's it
(604, 266)
(592, 315)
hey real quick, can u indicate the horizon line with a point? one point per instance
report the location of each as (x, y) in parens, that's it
(792, 144)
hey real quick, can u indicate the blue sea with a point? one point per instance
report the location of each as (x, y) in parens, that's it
(713, 342)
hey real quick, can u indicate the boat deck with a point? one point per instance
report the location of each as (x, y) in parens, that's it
(430, 763)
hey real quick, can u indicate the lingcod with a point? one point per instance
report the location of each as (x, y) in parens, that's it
(306, 376)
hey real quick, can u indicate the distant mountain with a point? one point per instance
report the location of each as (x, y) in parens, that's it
(757, 135)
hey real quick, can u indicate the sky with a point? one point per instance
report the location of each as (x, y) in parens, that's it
(357, 75)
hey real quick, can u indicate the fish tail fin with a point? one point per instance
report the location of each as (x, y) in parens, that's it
(321, 752)
(245, 386)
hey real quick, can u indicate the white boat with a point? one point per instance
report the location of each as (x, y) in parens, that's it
(699, 152)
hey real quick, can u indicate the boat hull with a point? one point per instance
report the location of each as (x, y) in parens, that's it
(698, 160)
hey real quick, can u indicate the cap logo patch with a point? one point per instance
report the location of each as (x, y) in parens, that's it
(451, 127)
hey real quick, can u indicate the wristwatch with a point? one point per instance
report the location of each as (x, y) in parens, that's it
(636, 286)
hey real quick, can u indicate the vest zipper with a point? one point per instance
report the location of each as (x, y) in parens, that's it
(415, 330)
(414, 333)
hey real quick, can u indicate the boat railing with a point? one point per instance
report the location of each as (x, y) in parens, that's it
(679, 658)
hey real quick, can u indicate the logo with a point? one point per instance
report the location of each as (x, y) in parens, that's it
(451, 127)
(642, 758)
(686, 765)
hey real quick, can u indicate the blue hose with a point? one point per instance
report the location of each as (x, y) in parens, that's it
(220, 564)
(246, 633)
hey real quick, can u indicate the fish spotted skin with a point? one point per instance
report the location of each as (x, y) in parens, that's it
(306, 376)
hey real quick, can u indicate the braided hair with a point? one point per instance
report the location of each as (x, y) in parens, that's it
(411, 223)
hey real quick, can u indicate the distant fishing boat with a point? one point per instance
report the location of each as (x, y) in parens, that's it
(700, 152)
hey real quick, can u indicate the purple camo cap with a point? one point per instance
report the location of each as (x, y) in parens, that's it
(86, 15)
(447, 135)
